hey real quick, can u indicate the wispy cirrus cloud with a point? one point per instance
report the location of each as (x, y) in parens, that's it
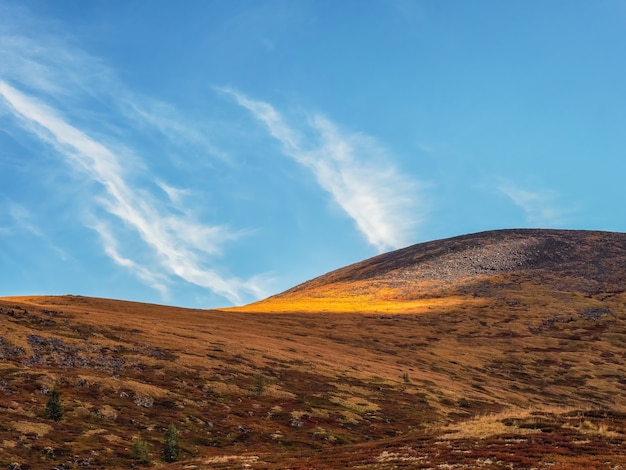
(154, 279)
(48, 64)
(74, 103)
(180, 244)
(354, 169)
(39, 55)
(541, 208)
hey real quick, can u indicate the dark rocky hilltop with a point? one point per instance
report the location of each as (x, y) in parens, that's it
(482, 264)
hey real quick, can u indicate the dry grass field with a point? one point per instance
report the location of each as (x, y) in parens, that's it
(497, 350)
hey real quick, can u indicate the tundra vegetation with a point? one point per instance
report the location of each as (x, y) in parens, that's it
(54, 409)
(523, 368)
(171, 447)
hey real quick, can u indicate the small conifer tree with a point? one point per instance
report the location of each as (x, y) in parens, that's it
(54, 410)
(171, 449)
(140, 451)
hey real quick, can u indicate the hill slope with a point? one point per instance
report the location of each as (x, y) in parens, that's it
(459, 270)
(515, 359)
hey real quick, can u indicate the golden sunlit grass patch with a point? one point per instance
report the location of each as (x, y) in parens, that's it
(274, 391)
(94, 432)
(356, 404)
(342, 303)
(222, 388)
(353, 297)
(244, 461)
(594, 429)
(493, 424)
(29, 427)
(404, 456)
(141, 388)
(113, 438)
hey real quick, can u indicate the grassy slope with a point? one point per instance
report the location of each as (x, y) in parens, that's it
(496, 369)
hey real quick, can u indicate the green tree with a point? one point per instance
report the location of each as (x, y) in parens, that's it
(54, 410)
(140, 450)
(171, 449)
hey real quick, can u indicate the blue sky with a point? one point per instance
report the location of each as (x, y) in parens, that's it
(210, 153)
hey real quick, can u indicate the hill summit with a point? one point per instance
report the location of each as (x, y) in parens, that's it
(464, 269)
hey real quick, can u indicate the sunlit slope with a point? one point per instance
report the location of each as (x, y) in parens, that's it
(351, 297)
(471, 269)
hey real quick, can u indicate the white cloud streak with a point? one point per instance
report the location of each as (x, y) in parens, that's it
(179, 243)
(47, 63)
(354, 169)
(539, 206)
(154, 279)
(57, 78)
(55, 91)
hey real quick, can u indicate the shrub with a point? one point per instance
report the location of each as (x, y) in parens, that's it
(171, 449)
(140, 450)
(54, 409)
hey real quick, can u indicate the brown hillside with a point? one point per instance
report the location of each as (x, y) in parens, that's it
(514, 359)
(464, 269)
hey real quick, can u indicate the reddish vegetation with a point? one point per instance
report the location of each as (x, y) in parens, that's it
(509, 353)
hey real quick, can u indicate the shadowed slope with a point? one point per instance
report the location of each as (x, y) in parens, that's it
(446, 273)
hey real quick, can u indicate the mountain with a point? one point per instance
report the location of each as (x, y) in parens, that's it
(502, 349)
(466, 270)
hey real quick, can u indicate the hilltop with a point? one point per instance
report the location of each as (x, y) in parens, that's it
(464, 270)
(501, 349)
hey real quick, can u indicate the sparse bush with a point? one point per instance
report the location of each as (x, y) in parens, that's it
(171, 448)
(260, 384)
(406, 378)
(54, 410)
(140, 450)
